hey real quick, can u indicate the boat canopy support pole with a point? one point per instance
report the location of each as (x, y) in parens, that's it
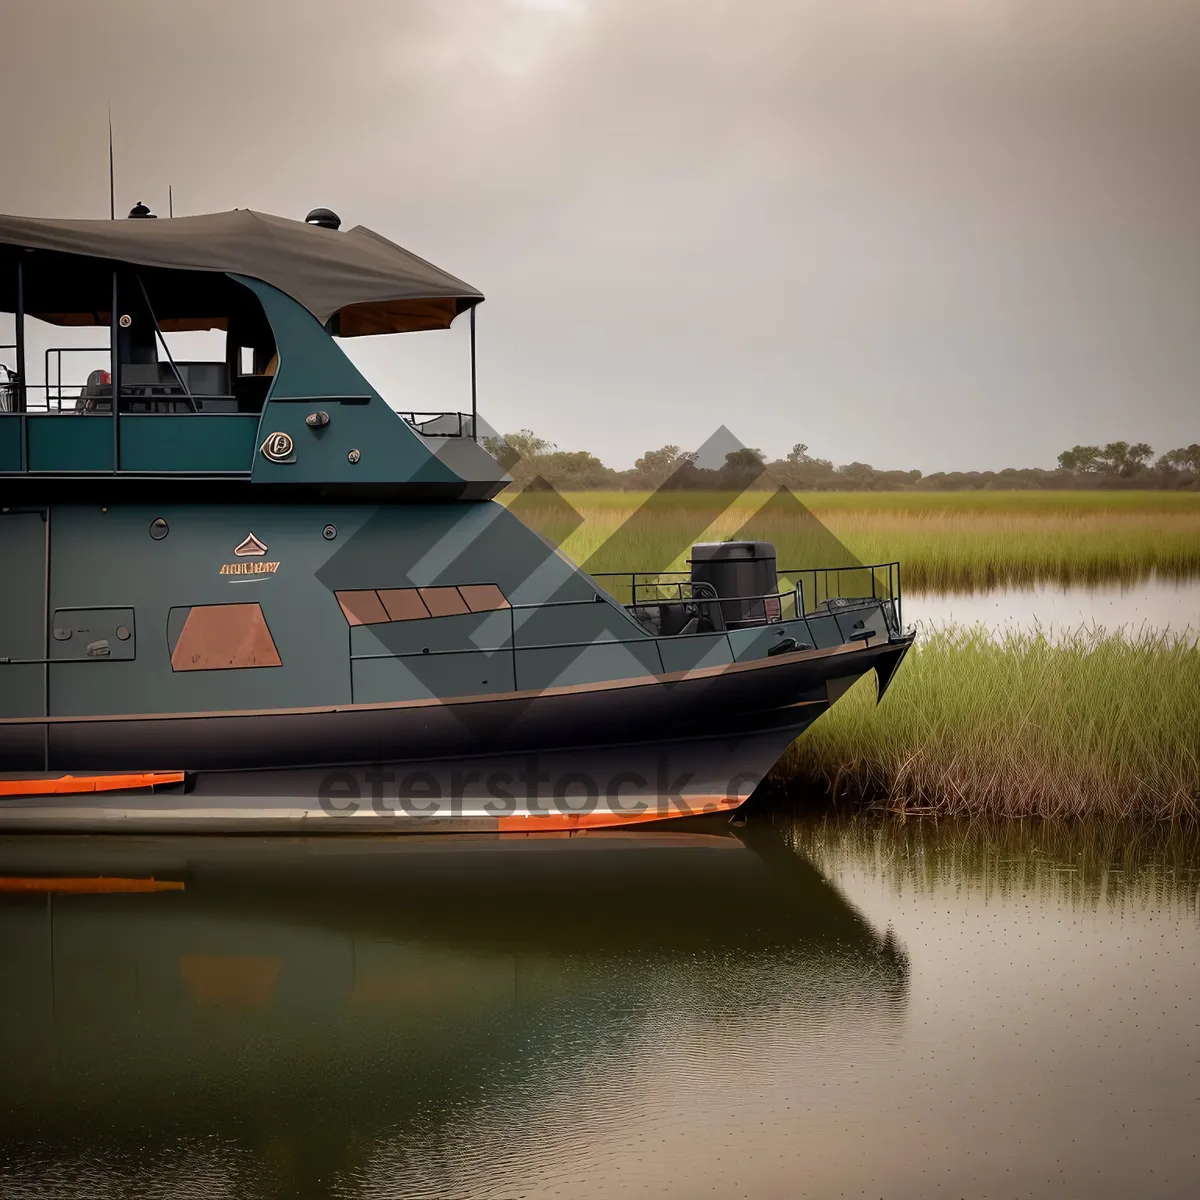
(22, 394)
(474, 394)
(115, 376)
(170, 357)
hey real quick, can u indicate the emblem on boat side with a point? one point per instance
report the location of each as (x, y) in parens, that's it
(251, 547)
(279, 448)
(249, 568)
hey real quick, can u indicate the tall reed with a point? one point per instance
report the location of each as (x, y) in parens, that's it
(1091, 725)
(1024, 501)
(944, 547)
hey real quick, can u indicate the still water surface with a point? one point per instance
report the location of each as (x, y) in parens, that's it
(799, 1007)
(1152, 606)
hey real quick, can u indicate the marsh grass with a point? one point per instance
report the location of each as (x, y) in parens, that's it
(1031, 501)
(1093, 725)
(944, 541)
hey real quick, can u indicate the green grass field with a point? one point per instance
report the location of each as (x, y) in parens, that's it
(945, 541)
(915, 502)
(1097, 726)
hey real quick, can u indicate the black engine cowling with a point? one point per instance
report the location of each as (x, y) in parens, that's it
(743, 575)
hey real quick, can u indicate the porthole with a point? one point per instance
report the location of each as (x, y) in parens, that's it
(159, 529)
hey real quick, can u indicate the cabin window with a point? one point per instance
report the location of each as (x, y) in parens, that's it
(185, 341)
(379, 607)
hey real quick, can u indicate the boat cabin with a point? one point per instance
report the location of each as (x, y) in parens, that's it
(279, 405)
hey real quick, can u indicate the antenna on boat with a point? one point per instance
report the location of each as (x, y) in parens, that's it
(170, 201)
(112, 187)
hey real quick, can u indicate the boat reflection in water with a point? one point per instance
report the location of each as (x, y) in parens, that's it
(407, 1016)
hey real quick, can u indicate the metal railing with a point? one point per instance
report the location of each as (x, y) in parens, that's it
(875, 581)
(650, 587)
(452, 424)
(645, 638)
(54, 376)
(58, 394)
(10, 383)
(641, 639)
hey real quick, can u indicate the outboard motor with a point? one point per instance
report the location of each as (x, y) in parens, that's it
(743, 574)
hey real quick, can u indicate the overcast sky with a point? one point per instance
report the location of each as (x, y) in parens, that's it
(943, 234)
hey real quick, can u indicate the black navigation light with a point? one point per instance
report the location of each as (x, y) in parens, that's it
(326, 218)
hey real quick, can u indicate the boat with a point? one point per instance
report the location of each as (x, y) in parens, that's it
(247, 594)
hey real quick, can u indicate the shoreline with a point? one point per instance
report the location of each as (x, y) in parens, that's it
(1098, 725)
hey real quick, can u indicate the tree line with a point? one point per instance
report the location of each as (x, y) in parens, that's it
(533, 461)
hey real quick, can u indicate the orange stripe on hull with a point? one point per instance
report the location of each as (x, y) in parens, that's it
(73, 785)
(555, 821)
(93, 886)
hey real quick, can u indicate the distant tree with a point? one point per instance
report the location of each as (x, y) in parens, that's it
(534, 461)
(1080, 459)
(1184, 458)
(655, 467)
(1120, 458)
(662, 459)
(857, 475)
(574, 470)
(514, 447)
(742, 469)
(1138, 456)
(1113, 457)
(1116, 458)
(517, 453)
(801, 471)
(745, 459)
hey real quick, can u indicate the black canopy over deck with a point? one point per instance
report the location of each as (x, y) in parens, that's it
(146, 278)
(354, 283)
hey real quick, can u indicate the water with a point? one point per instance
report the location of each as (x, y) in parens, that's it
(1155, 605)
(795, 1008)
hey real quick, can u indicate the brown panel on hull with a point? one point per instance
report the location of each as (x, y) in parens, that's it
(443, 601)
(404, 604)
(482, 597)
(362, 608)
(218, 637)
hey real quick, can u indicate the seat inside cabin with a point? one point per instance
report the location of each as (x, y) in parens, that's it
(152, 379)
